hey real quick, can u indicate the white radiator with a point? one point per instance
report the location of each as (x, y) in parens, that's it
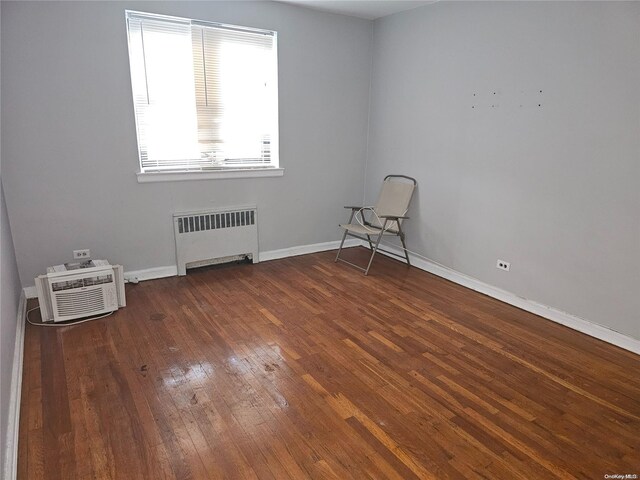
(218, 235)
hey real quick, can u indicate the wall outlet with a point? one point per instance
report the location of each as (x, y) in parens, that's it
(82, 254)
(502, 265)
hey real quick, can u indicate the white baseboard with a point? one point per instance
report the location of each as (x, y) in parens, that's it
(545, 311)
(550, 313)
(305, 249)
(152, 273)
(172, 270)
(30, 292)
(13, 420)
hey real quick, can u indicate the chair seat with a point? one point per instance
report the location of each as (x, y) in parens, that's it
(365, 230)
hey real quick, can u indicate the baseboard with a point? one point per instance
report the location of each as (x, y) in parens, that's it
(13, 420)
(306, 249)
(151, 273)
(576, 323)
(172, 270)
(30, 292)
(550, 313)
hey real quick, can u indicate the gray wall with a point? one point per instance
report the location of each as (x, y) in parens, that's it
(552, 189)
(69, 146)
(9, 297)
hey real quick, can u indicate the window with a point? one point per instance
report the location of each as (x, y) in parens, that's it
(205, 94)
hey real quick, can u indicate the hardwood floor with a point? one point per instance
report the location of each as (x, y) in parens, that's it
(303, 368)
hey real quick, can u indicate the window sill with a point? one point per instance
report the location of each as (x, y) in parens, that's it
(214, 175)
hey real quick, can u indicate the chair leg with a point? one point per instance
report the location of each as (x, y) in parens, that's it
(344, 236)
(373, 254)
(370, 244)
(375, 249)
(406, 252)
(341, 244)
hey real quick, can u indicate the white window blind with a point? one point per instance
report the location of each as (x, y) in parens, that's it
(205, 95)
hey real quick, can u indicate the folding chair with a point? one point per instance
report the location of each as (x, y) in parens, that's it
(383, 219)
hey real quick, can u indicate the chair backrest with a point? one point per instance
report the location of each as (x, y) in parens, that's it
(395, 198)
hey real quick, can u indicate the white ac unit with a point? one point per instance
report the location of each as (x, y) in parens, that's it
(77, 290)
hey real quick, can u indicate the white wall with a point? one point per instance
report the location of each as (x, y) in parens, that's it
(552, 189)
(69, 146)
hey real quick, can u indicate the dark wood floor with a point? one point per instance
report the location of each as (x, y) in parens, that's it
(302, 368)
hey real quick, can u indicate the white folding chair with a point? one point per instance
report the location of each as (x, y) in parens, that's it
(383, 219)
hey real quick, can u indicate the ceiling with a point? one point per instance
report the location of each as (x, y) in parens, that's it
(369, 9)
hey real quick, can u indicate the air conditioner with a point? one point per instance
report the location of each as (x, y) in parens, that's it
(77, 290)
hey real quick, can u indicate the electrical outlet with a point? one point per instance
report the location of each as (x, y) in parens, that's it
(82, 254)
(502, 265)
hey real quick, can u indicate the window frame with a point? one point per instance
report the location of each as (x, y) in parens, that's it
(222, 172)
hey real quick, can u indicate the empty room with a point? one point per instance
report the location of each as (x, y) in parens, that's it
(317, 239)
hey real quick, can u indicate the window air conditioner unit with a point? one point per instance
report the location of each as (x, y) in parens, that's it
(77, 290)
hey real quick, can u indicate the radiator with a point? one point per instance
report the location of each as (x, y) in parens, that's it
(218, 235)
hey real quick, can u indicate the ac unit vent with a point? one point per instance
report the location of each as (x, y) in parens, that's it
(80, 302)
(214, 221)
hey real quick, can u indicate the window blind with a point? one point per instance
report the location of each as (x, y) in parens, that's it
(205, 95)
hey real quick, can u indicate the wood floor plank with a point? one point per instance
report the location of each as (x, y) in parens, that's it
(304, 368)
